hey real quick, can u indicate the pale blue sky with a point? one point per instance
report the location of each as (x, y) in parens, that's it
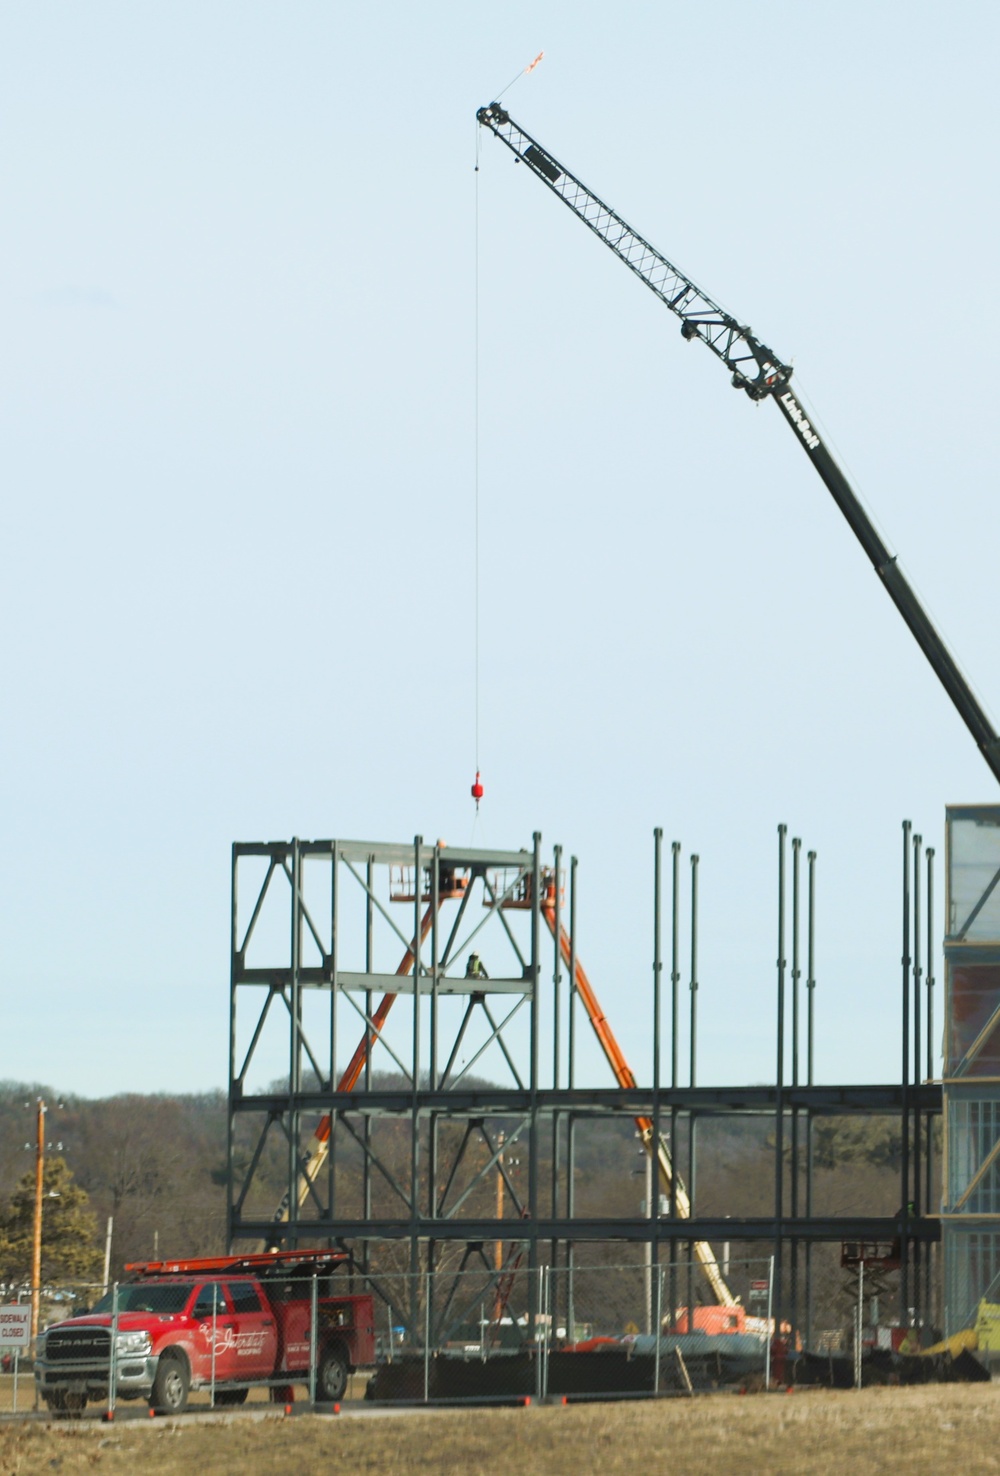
(237, 466)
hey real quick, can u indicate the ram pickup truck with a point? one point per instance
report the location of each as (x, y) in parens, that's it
(225, 1324)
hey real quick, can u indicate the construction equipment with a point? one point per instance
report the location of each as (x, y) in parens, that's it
(983, 1336)
(221, 1322)
(520, 897)
(758, 371)
(658, 1150)
(314, 1155)
(516, 897)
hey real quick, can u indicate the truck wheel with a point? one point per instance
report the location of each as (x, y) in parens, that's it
(171, 1385)
(331, 1378)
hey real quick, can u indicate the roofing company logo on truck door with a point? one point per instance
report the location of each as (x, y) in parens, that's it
(227, 1340)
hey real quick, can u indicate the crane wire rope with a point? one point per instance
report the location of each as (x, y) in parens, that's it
(476, 439)
(522, 73)
(477, 788)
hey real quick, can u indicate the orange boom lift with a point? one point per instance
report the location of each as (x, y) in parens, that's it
(314, 1155)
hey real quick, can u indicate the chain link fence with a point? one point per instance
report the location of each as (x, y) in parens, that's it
(972, 1281)
(569, 1331)
(483, 1333)
(188, 1340)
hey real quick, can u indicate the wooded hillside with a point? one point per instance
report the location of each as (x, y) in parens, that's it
(157, 1164)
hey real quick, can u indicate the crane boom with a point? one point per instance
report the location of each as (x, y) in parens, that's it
(758, 371)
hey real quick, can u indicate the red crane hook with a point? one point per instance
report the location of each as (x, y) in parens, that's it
(477, 790)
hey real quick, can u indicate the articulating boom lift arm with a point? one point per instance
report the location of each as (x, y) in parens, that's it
(669, 1178)
(756, 369)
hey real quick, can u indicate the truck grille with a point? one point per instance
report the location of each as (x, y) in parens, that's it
(78, 1345)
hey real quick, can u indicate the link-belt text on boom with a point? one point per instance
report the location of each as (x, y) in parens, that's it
(805, 430)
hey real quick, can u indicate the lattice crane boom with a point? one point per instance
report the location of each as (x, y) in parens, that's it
(753, 365)
(758, 371)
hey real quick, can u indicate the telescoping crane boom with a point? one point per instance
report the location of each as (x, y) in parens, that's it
(758, 371)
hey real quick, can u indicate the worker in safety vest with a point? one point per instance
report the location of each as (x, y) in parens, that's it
(475, 968)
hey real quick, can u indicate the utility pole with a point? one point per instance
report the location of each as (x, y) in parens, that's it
(36, 1244)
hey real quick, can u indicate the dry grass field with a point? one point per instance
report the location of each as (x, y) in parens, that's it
(924, 1432)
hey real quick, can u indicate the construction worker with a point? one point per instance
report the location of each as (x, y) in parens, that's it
(475, 968)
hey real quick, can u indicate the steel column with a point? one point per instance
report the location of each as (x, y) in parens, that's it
(779, 1110)
(904, 1280)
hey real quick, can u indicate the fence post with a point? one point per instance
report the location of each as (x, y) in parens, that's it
(313, 1340)
(541, 1346)
(770, 1330)
(658, 1329)
(859, 1315)
(17, 1355)
(112, 1358)
(427, 1336)
(215, 1325)
(533, 1327)
(553, 1298)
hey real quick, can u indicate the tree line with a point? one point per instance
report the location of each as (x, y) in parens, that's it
(156, 1167)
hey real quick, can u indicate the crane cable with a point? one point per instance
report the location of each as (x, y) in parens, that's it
(477, 787)
(522, 73)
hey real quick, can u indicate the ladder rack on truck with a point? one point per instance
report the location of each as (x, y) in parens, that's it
(254, 1264)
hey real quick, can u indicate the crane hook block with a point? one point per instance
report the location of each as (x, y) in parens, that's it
(477, 789)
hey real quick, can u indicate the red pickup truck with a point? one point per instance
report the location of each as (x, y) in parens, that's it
(225, 1323)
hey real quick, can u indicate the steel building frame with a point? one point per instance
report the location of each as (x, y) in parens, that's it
(412, 1162)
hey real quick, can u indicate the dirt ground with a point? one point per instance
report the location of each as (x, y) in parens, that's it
(923, 1432)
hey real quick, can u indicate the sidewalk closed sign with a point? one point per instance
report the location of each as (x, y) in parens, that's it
(15, 1326)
